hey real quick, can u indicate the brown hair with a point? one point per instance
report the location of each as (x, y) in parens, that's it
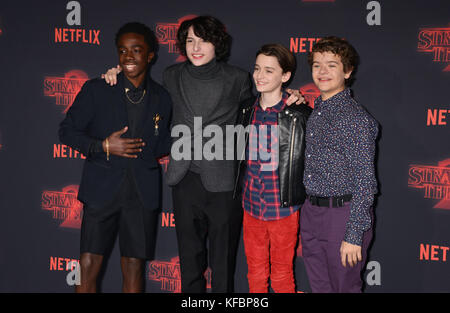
(342, 48)
(285, 57)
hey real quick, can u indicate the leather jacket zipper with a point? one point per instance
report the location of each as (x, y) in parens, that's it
(245, 148)
(291, 156)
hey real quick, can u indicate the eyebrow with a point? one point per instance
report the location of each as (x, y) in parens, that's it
(267, 67)
(327, 62)
(134, 46)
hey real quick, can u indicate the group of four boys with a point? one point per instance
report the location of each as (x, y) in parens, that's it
(322, 165)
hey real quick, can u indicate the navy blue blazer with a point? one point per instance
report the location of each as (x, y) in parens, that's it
(97, 112)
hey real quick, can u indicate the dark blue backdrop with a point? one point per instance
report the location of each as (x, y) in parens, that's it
(402, 82)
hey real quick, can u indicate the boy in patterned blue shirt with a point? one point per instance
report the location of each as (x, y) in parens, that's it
(336, 219)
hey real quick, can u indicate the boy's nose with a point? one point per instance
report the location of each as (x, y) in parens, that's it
(196, 46)
(323, 69)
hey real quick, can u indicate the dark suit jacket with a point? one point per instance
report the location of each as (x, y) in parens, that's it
(97, 112)
(216, 175)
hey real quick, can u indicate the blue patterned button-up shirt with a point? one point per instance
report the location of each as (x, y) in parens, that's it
(339, 157)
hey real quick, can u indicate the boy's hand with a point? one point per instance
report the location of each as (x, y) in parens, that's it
(350, 253)
(124, 147)
(294, 97)
(111, 75)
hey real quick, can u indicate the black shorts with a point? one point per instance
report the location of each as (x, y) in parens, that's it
(126, 216)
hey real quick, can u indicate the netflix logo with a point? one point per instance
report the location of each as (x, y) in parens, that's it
(437, 117)
(302, 44)
(66, 152)
(77, 35)
(429, 252)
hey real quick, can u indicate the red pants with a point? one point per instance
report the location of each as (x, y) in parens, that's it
(270, 249)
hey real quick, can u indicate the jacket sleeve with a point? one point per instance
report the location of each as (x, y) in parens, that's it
(73, 130)
(246, 95)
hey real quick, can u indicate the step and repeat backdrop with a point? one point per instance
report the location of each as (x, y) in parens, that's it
(50, 48)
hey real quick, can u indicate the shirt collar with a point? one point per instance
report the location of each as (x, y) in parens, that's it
(129, 85)
(337, 98)
(277, 107)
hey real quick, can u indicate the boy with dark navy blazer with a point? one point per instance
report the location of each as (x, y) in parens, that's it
(122, 130)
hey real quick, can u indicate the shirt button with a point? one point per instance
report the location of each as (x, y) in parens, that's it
(309, 155)
(309, 176)
(320, 113)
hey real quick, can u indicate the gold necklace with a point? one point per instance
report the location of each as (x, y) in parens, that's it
(126, 94)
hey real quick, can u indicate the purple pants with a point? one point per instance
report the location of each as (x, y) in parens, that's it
(322, 231)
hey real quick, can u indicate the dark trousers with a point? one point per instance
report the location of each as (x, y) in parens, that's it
(201, 215)
(322, 231)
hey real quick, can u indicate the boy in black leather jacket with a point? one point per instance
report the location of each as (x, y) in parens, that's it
(272, 186)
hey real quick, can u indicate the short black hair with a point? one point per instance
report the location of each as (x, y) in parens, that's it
(209, 29)
(141, 29)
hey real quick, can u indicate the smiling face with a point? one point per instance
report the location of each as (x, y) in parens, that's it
(134, 56)
(328, 74)
(268, 74)
(198, 51)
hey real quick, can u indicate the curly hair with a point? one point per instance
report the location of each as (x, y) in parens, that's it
(209, 29)
(342, 48)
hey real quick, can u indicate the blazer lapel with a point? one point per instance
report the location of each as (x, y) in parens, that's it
(150, 109)
(120, 107)
(183, 92)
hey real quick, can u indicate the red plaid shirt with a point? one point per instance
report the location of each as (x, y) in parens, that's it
(261, 196)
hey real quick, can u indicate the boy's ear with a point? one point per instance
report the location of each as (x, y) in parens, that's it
(347, 75)
(150, 57)
(285, 77)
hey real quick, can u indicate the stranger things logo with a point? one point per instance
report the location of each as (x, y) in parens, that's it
(169, 275)
(65, 89)
(436, 41)
(310, 93)
(64, 206)
(167, 35)
(434, 181)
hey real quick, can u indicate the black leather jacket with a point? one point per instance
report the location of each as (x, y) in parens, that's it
(292, 131)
